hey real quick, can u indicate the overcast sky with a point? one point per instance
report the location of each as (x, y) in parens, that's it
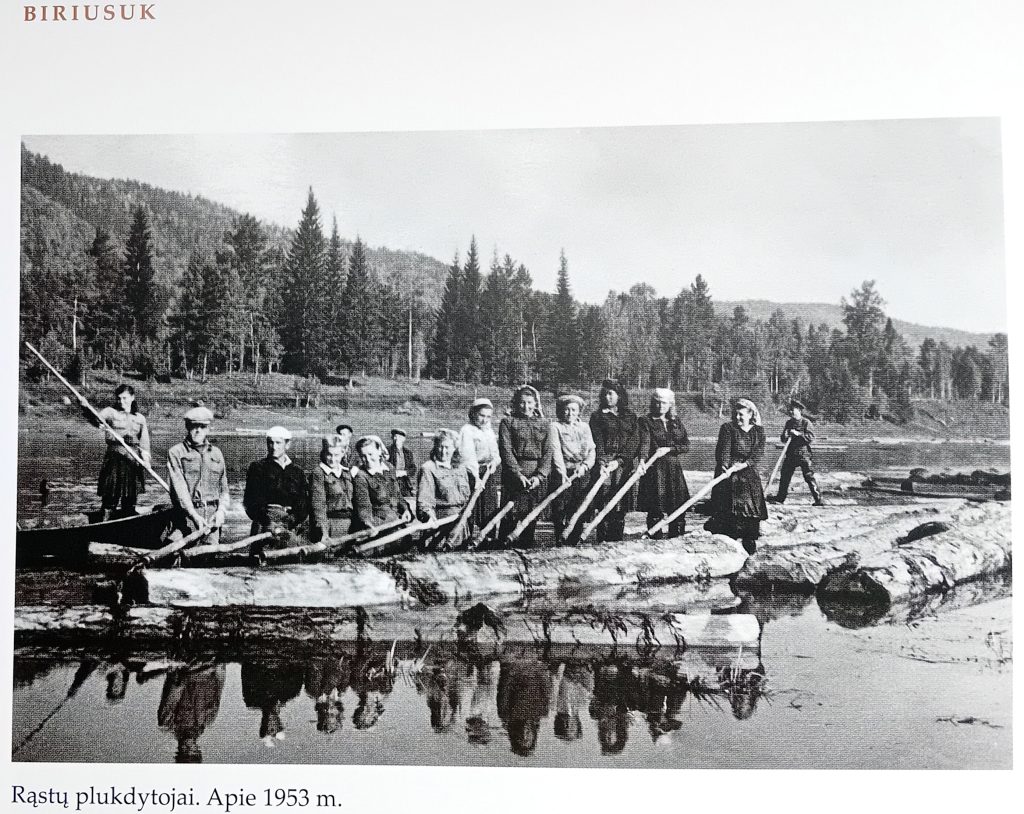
(784, 212)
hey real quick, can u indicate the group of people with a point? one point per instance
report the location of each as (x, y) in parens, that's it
(368, 485)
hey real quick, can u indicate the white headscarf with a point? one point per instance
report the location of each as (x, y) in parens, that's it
(755, 414)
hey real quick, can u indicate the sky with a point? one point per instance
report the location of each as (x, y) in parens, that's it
(792, 212)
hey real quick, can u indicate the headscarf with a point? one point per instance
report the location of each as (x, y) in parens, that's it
(529, 390)
(375, 439)
(565, 400)
(755, 414)
(479, 404)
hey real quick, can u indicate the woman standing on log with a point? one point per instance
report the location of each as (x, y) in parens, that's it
(444, 485)
(122, 480)
(574, 454)
(663, 489)
(738, 502)
(478, 449)
(616, 438)
(375, 495)
(330, 492)
(524, 439)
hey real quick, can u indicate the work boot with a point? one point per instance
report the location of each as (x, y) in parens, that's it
(750, 546)
(815, 492)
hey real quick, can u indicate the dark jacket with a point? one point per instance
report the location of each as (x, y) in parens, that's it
(616, 436)
(330, 498)
(663, 489)
(742, 494)
(375, 499)
(798, 442)
(267, 483)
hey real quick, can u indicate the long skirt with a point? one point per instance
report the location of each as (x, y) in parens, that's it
(663, 490)
(121, 480)
(739, 505)
(612, 528)
(565, 505)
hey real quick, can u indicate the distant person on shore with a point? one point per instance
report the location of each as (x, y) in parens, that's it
(574, 455)
(663, 488)
(330, 492)
(478, 449)
(122, 479)
(738, 501)
(616, 439)
(799, 432)
(524, 439)
(444, 485)
(199, 478)
(403, 462)
(349, 458)
(275, 487)
(375, 495)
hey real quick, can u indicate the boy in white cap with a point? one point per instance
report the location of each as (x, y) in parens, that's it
(275, 487)
(199, 478)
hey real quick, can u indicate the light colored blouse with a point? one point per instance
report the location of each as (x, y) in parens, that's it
(573, 444)
(132, 427)
(477, 447)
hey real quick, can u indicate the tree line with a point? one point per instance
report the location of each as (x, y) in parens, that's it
(321, 308)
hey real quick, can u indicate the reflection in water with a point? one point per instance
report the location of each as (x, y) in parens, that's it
(189, 703)
(267, 686)
(524, 695)
(326, 681)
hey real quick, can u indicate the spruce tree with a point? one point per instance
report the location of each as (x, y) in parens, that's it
(469, 329)
(302, 307)
(562, 351)
(334, 299)
(443, 348)
(108, 311)
(140, 288)
(362, 305)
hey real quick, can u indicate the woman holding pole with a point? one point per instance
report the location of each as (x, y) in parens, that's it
(739, 505)
(478, 450)
(574, 455)
(376, 498)
(122, 479)
(524, 439)
(444, 485)
(330, 492)
(616, 440)
(663, 488)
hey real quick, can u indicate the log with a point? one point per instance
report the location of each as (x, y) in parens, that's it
(569, 631)
(800, 545)
(301, 553)
(110, 555)
(933, 563)
(438, 578)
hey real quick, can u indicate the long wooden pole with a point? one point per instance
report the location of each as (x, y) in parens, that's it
(329, 545)
(85, 403)
(606, 473)
(430, 525)
(225, 548)
(170, 549)
(467, 510)
(682, 509)
(639, 473)
(778, 463)
(527, 521)
(492, 524)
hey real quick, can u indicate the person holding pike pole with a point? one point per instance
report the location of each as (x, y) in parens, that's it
(199, 479)
(524, 440)
(616, 439)
(664, 487)
(574, 456)
(738, 501)
(798, 435)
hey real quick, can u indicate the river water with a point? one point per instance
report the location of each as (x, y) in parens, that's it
(929, 688)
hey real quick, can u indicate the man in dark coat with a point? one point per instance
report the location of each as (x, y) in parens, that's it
(275, 487)
(403, 462)
(800, 434)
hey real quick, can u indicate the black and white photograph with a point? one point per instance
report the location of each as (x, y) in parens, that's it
(645, 447)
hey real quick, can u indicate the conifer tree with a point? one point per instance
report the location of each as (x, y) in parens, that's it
(561, 347)
(334, 299)
(302, 316)
(108, 311)
(140, 288)
(444, 347)
(362, 305)
(469, 330)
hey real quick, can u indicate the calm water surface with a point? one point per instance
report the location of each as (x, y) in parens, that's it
(927, 692)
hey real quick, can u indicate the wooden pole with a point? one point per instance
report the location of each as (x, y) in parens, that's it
(778, 464)
(682, 509)
(639, 473)
(492, 524)
(328, 545)
(170, 549)
(85, 403)
(467, 510)
(606, 473)
(527, 521)
(430, 525)
(225, 548)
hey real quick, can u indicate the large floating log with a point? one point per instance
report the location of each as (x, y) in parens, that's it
(447, 578)
(572, 629)
(800, 546)
(930, 564)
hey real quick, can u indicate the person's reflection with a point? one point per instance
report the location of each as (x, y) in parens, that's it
(443, 684)
(744, 688)
(575, 687)
(524, 695)
(267, 685)
(483, 714)
(372, 684)
(188, 705)
(609, 709)
(326, 681)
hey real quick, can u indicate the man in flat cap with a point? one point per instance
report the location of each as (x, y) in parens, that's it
(275, 487)
(403, 462)
(199, 478)
(800, 434)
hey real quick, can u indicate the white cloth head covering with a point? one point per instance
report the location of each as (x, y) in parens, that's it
(279, 432)
(755, 413)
